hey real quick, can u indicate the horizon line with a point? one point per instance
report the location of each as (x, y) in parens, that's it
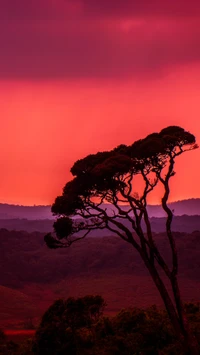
(49, 205)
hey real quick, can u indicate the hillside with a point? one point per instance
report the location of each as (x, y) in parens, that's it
(106, 266)
(14, 306)
(24, 258)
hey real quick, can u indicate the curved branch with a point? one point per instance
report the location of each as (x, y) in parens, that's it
(165, 182)
(119, 225)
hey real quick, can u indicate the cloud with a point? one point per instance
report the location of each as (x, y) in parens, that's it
(38, 9)
(129, 8)
(64, 39)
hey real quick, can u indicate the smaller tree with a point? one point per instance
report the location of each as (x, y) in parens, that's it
(59, 331)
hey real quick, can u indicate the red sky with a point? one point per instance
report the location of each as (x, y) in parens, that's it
(79, 76)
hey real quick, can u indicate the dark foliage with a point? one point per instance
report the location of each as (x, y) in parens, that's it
(59, 332)
(67, 328)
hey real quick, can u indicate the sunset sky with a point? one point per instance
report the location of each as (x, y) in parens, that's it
(79, 76)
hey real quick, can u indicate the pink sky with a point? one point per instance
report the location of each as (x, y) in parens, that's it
(77, 77)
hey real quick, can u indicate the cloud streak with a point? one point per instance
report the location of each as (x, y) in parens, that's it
(127, 8)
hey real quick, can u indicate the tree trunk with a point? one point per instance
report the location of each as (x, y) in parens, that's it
(176, 314)
(189, 337)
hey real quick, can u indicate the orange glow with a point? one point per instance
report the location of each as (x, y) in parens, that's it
(46, 126)
(80, 76)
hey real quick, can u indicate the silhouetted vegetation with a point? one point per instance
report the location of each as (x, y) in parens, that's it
(110, 177)
(79, 327)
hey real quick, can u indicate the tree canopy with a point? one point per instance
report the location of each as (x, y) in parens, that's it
(108, 177)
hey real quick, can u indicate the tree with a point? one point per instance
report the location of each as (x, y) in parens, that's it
(61, 330)
(112, 177)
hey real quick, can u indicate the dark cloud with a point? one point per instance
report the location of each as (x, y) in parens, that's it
(38, 41)
(37, 9)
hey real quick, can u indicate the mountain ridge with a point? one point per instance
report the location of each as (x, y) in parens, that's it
(181, 207)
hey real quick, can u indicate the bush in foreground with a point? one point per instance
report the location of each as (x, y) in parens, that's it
(78, 327)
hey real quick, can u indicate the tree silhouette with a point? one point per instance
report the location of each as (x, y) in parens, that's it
(61, 325)
(112, 177)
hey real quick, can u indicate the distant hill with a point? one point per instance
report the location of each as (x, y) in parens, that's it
(188, 207)
(185, 207)
(182, 223)
(28, 212)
